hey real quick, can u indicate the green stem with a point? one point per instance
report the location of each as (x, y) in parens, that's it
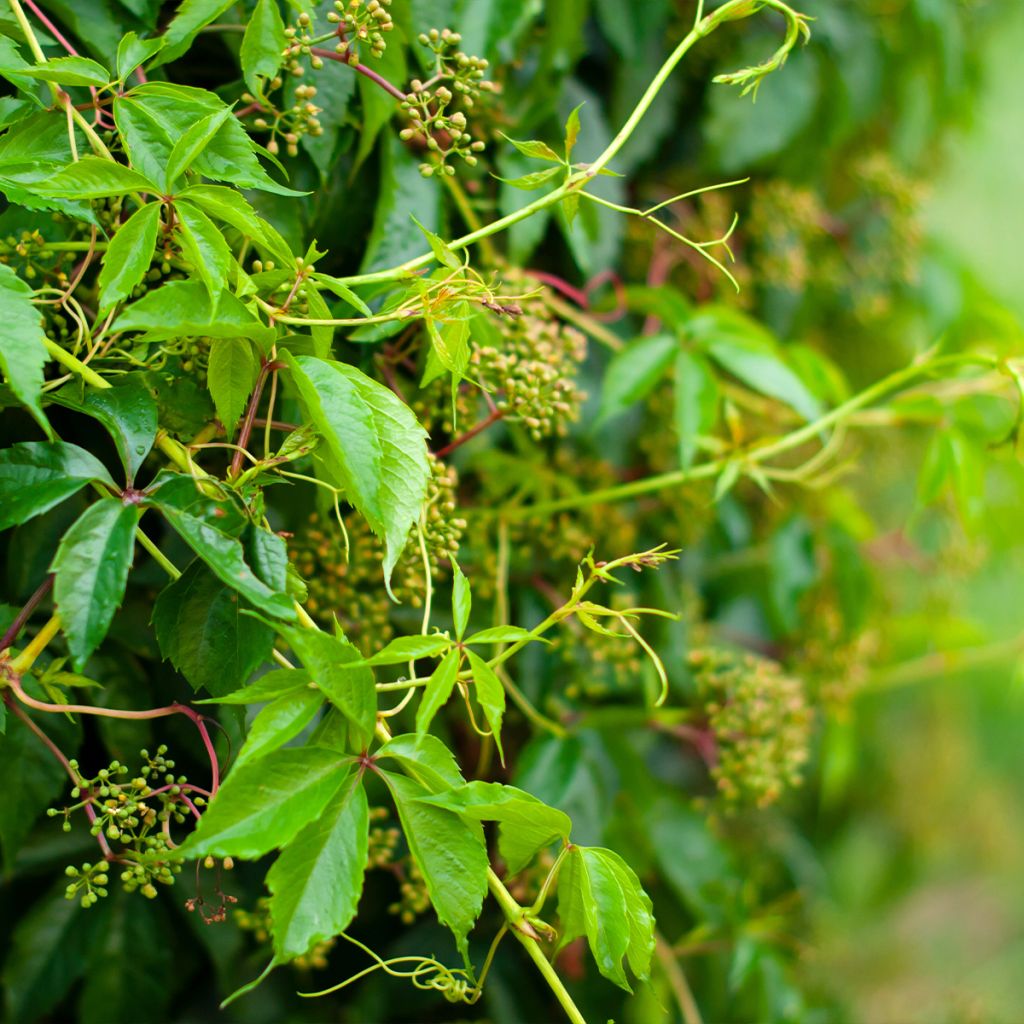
(157, 555)
(87, 373)
(788, 442)
(515, 915)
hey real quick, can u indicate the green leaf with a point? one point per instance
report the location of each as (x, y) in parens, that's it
(233, 208)
(634, 373)
(746, 350)
(50, 950)
(533, 148)
(375, 448)
(22, 343)
(133, 51)
(202, 629)
(185, 309)
(600, 896)
(263, 804)
(154, 116)
(316, 882)
(281, 720)
(696, 403)
(230, 376)
(190, 17)
(191, 145)
(274, 684)
(262, 45)
(449, 346)
(426, 758)
(491, 695)
(450, 853)
(68, 71)
(36, 475)
(225, 557)
(525, 824)
(445, 256)
(499, 635)
(533, 180)
(204, 247)
(405, 648)
(215, 507)
(343, 292)
(572, 130)
(349, 687)
(129, 255)
(91, 571)
(462, 599)
(93, 177)
(438, 689)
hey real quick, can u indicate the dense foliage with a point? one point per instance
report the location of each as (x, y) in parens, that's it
(435, 547)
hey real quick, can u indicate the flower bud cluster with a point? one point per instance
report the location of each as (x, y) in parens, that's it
(383, 839)
(135, 813)
(760, 721)
(434, 123)
(413, 897)
(533, 372)
(361, 22)
(289, 123)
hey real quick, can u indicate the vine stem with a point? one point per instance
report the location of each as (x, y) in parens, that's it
(65, 358)
(362, 69)
(521, 928)
(780, 446)
(26, 613)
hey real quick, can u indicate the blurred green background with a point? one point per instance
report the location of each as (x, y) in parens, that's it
(922, 915)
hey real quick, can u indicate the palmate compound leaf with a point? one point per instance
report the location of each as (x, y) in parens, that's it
(600, 896)
(90, 572)
(450, 853)
(526, 825)
(372, 446)
(316, 882)
(264, 804)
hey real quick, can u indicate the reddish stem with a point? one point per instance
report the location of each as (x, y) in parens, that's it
(362, 69)
(90, 813)
(470, 434)
(252, 108)
(25, 614)
(275, 424)
(563, 286)
(250, 418)
(165, 712)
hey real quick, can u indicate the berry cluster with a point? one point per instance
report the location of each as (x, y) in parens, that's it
(361, 22)
(433, 122)
(351, 591)
(532, 372)
(287, 124)
(137, 814)
(760, 721)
